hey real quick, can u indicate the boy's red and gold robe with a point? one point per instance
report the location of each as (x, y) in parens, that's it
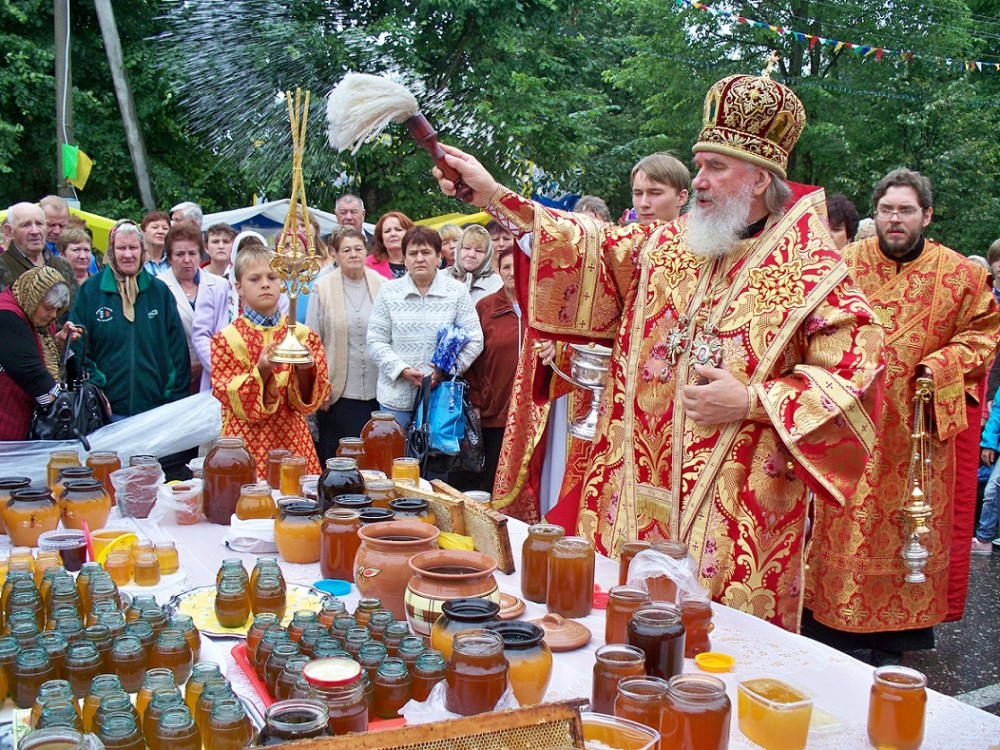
(936, 311)
(794, 328)
(271, 416)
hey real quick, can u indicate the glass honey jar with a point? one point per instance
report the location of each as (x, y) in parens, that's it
(413, 509)
(297, 530)
(625, 554)
(353, 447)
(32, 667)
(339, 543)
(337, 684)
(641, 699)
(340, 477)
(381, 491)
(613, 662)
(228, 467)
(232, 603)
(256, 501)
(696, 706)
(147, 569)
(104, 463)
(477, 673)
(657, 630)
(128, 662)
(8, 485)
(294, 719)
(274, 457)
(29, 513)
(393, 687)
(623, 601)
(228, 726)
(59, 460)
(166, 553)
(84, 501)
(292, 468)
(535, 560)
(69, 474)
(176, 730)
(384, 440)
(570, 589)
(896, 708)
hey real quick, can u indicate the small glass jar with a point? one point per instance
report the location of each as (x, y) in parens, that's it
(266, 566)
(83, 663)
(111, 703)
(144, 632)
(201, 673)
(570, 589)
(331, 608)
(32, 668)
(394, 633)
(393, 687)
(296, 719)
(261, 622)
(896, 708)
(641, 699)
(301, 619)
(100, 636)
(228, 467)
(59, 460)
(276, 662)
(268, 595)
(272, 637)
(61, 738)
(343, 623)
(458, 615)
(622, 602)
(166, 553)
(103, 684)
(121, 732)
(343, 695)
(410, 647)
(114, 621)
(339, 543)
(355, 638)
(352, 447)
(256, 501)
(612, 663)
(381, 491)
(309, 486)
(477, 673)
(292, 467)
(29, 513)
(657, 630)
(378, 621)
(160, 701)
(118, 563)
(413, 509)
(232, 567)
(84, 501)
(212, 693)
(52, 691)
(661, 587)
(428, 670)
(696, 614)
(176, 730)
(535, 560)
(104, 463)
(696, 706)
(627, 551)
(232, 603)
(155, 679)
(370, 655)
(297, 530)
(128, 662)
(406, 470)
(56, 646)
(274, 458)
(290, 673)
(147, 569)
(185, 624)
(341, 477)
(64, 714)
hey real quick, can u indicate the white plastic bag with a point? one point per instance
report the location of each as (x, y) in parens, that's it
(665, 578)
(433, 709)
(179, 503)
(255, 535)
(136, 488)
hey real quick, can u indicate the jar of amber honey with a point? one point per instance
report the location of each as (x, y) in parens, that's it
(59, 460)
(625, 554)
(384, 440)
(228, 467)
(477, 673)
(641, 699)
(535, 560)
(622, 602)
(413, 509)
(340, 477)
(339, 542)
(232, 603)
(696, 706)
(268, 595)
(147, 569)
(570, 589)
(393, 687)
(337, 684)
(297, 530)
(274, 467)
(172, 651)
(84, 500)
(32, 667)
(29, 513)
(696, 614)
(353, 447)
(657, 630)
(104, 463)
(896, 707)
(292, 468)
(613, 663)
(381, 491)
(256, 501)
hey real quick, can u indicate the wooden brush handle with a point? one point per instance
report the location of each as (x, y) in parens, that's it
(426, 138)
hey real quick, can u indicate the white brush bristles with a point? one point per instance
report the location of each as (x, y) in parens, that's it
(361, 106)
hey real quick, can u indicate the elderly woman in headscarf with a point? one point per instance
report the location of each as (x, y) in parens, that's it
(135, 337)
(474, 263)
(31, 351)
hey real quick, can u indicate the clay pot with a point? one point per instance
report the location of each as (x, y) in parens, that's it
(529, 657)
(459, 616)
(444, 574)
(380, 567)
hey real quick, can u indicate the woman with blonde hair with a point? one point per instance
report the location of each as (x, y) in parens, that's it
(450, 235)
(474, 263)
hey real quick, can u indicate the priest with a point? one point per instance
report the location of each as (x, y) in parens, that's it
(746, 366)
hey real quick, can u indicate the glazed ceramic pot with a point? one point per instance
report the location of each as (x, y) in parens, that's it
(381, 567)
(441, 575)
(458, 616)
(529, 657)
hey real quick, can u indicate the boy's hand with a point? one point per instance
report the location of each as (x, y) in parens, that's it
(264, 366)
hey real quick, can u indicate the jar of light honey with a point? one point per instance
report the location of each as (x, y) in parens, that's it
(166, 553)
(29, 513)
(57, 461)
(84, 500)
(274, 457)
(297, 530)
(381, 491)
(256, 501)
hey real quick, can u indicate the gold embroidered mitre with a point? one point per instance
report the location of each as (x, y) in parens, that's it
(754, 119)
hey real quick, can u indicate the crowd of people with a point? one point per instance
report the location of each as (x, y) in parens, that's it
(765, 349)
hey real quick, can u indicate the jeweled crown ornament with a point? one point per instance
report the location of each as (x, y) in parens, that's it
(752, 118)
(296, 259)
(917, 512)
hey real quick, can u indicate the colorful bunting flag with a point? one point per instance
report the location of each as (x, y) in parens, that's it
(76, 165)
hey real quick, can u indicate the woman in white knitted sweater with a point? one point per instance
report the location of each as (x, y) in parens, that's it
(409, 312)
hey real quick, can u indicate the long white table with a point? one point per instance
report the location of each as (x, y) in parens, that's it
(839, 683)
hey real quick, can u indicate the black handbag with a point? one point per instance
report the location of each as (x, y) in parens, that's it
(79, 409)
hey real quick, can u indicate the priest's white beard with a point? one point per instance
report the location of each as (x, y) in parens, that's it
(714, 233)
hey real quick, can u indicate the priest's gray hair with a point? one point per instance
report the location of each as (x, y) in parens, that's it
(777, 194)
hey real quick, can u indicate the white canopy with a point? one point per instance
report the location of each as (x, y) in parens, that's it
(268, 218)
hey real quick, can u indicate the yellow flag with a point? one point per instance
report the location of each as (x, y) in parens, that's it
(83, 167)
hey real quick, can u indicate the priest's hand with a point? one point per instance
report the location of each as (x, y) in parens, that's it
(720, 400)
(473, 174)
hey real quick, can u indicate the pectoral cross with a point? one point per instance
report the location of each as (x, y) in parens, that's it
(677, 339)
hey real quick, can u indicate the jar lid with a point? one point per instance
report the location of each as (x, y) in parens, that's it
(14, 483)
(715, 661)
(355, 501)
(376, 515)
(517, 635)
(409, 504)
(470, 610)
(331, 672)
(31, 494)
(76, 472)
(83, 485)
(61, 539)
(298, 506)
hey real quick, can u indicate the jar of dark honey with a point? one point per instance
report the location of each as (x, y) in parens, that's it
(294, 719)
(384, 440)
(570, 589)
(696, 614)
(228, 467)
(176, 730)
(83, 663)
(339, 542)
(535, 560)
(290, 674)
(32, 667)
(341, 477)
(657, 630)
(477, 673)
(337, 684)
(276, 662)
(393, 687)
(261, 622)
(641, 699)
(428, 670)
(622, 602)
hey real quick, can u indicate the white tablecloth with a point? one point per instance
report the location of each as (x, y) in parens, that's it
(839, 683)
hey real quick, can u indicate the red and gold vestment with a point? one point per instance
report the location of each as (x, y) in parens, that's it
(788, 322)
(936, 311)
(272, 415)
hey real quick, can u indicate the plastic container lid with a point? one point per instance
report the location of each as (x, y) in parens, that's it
(333, 586)
(715, 661)
(61, 539)
(332, 672)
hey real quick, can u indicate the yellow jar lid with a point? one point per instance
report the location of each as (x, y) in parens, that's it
(715, 661)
